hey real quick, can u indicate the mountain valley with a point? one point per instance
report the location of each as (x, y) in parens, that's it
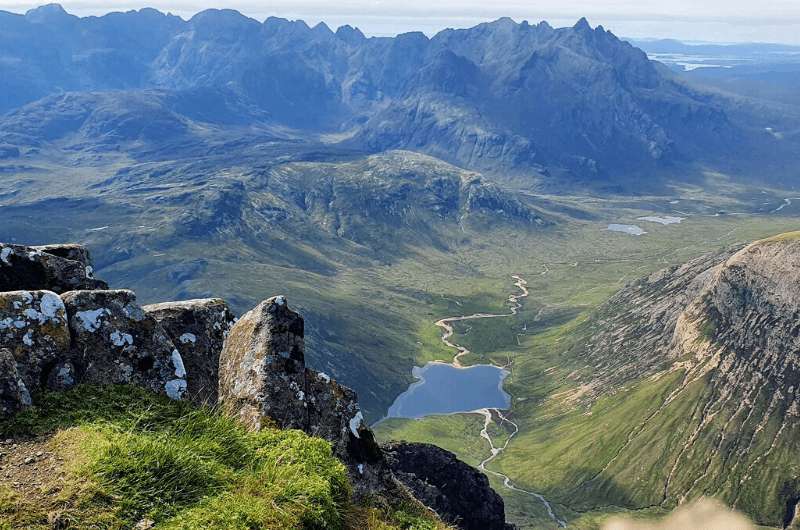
(385, 184)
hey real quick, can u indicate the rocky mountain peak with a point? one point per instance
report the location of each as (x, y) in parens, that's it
(582, 25)
(349, 34)
(47, 14)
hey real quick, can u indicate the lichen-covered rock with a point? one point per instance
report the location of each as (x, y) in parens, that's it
(14, 395)
(263, 380)
(115, 341)
(457, 492)
(262, 368)
(334, 415)
(30, 268)
(33, 327)
(198, 329)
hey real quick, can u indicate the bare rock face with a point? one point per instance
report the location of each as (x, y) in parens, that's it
(33, 328)
(31, 268)
(262, 368)
(198, 329)
(115, 342)
(334, 415)
(71, 251)
(263, 380)
(14, 395)
(457, 492)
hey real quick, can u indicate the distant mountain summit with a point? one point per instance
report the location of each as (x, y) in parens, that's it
(502, 97)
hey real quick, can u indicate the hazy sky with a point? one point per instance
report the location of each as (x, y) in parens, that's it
(707, 20)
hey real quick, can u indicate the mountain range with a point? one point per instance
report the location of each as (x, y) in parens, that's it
(511, 99)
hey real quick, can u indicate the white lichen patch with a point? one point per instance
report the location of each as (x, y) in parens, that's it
(27, 339)
(5, 254)
(177, 362)
(188, 338)
(175, 389)
(90, 320)
(280, 300)
(322, 376)
(51, 305)
(355, 423)
(121, 339)
(134, 312)
(360, 469)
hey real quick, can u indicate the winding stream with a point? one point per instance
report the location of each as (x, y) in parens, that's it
(446, 324)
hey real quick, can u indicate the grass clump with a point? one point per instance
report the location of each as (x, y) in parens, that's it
(130, 456)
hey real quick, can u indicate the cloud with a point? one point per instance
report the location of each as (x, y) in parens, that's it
(707, 514)
(721, 20)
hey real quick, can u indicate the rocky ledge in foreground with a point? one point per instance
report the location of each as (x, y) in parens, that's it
(459, 493)
(60, 327)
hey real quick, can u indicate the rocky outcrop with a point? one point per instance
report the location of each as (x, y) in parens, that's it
(14, 395)
(255, 369)
(334, 415)
(262, 377)
(34, 269)
(33, 329)
(628, 337)
(115, 341)
(457, 492)
(264, 381)
(198, 329)
(71, 251)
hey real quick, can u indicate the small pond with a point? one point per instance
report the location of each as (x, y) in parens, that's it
(627, 229)
(444, 389)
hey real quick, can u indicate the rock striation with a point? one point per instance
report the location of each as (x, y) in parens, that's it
(724, 330)
(457, 492)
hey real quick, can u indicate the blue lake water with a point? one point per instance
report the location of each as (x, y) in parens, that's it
(445, 389)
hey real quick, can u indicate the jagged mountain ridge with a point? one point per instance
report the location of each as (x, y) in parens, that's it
(502, 96)
(724, 330)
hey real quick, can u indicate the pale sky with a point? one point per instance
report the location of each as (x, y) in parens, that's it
(698, 20)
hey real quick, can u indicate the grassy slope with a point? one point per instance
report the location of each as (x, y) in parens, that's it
(129, 456)
(559, 447)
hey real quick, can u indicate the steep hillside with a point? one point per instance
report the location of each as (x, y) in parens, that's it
(684, 384)
(505, 97)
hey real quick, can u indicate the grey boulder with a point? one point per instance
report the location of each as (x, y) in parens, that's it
(457, 492)
(33, 329)
(31, 268)
(262, 368)
(198, 329)
(264, 381)
(115, 342)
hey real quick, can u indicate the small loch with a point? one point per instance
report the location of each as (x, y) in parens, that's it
(446, 389)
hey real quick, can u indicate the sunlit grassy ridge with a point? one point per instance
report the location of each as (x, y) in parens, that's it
(130, 456)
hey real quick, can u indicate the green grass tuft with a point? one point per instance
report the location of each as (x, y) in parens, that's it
(132, 456)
